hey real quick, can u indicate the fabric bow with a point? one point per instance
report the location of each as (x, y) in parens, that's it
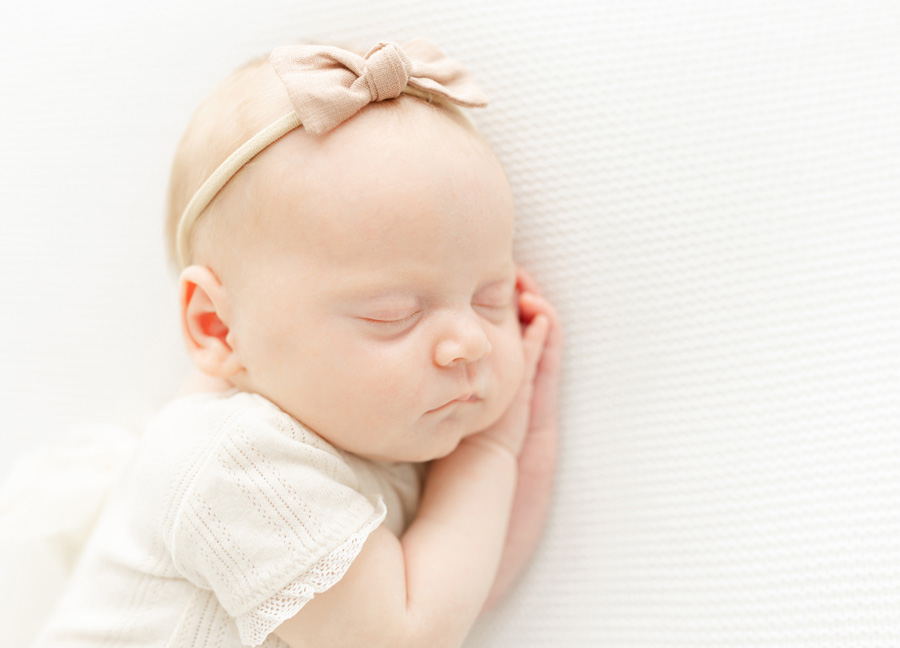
(328, 85)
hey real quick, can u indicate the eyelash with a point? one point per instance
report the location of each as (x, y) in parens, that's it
(386, 323)
(398, 323)
(496, 303)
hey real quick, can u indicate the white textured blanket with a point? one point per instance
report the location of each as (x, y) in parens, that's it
(710, 192)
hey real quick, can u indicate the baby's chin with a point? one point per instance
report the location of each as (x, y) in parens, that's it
(430, 439)
(487, 417)
(449, 439)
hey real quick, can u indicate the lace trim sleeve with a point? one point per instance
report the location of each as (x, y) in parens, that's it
(258, 623)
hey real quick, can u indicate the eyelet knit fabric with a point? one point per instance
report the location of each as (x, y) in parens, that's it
(708, 191)
(226, 494)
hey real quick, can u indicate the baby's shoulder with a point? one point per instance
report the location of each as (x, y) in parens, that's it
(214, 410)
(205, 420)
(217, 445)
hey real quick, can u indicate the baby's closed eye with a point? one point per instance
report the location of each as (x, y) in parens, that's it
(498, 295)
(394, 318)
(496, 302)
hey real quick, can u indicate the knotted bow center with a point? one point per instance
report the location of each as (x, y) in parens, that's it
(387, 72)
(328, 85)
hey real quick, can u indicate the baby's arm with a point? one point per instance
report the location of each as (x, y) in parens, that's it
(537, 460)
(427, 588)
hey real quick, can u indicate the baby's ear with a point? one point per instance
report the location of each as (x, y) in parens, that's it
(205, 313)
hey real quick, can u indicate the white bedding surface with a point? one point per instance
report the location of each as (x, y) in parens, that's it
(710, 192)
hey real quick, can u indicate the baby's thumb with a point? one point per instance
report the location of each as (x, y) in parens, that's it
(533, 339)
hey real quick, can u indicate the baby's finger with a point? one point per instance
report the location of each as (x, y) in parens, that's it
(534, 338)
(525, 282)
(533, 306)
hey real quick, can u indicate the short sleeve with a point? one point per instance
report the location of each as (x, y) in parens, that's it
(270, 515)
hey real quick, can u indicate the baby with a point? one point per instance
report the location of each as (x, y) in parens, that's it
(377, 467)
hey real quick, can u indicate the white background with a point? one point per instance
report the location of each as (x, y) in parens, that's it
(709, 191)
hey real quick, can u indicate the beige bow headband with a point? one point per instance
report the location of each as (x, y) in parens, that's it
(327, 86)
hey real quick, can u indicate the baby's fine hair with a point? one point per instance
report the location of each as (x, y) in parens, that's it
(251, 98)
(247, 101)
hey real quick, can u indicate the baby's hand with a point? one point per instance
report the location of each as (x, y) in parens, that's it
(546, 376)
(540, 337)
(537, 457)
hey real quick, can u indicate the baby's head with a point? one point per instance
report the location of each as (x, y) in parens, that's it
(362, 279)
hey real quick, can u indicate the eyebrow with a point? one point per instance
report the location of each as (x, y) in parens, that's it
(374, 295)
(369, 290)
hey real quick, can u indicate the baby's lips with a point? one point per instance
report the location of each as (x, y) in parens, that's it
(470, 397)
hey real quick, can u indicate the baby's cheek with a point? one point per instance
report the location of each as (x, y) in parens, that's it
(392, 380)
(511, 358)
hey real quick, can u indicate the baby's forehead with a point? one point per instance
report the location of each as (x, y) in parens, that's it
(389, 142)
(335, 191)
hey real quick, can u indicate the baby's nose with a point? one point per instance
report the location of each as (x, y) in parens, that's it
(464, 341)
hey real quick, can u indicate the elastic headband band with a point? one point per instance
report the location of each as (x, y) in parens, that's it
(327, 86)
